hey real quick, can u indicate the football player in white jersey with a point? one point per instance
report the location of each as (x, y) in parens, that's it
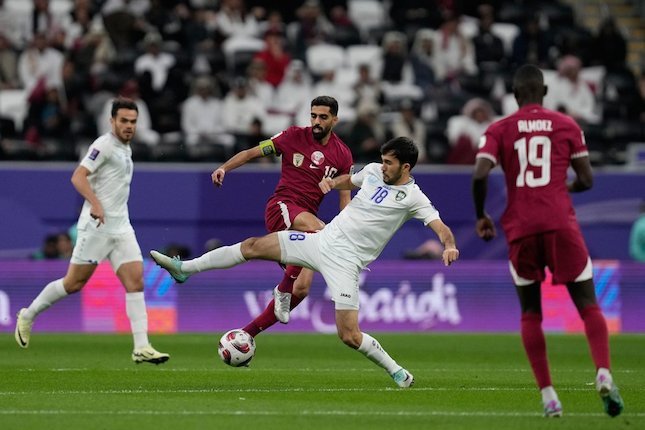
(104, 231)
(353, 239)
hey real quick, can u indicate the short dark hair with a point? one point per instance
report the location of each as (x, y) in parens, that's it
(328, 101)
(403, 148)
(123, 103)
(528, 81)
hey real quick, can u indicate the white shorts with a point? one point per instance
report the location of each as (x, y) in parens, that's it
(341, 276)
(93, 246)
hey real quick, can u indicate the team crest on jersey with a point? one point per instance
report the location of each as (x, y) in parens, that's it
(400, 196)
(317, 158)
(298, 159)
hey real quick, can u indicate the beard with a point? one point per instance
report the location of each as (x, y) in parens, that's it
(319, 133)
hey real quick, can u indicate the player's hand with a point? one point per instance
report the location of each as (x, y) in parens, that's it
(96, 212)
(449, 255)
(485, 228)
(218, 177)
(326, 185)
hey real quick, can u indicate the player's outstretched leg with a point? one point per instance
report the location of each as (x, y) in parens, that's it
(608, 391)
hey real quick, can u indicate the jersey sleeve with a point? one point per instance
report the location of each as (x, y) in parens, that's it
(275, 144)
(577, 142)
(97, 154)
(423, 209)
(358, 177)
(489, 145)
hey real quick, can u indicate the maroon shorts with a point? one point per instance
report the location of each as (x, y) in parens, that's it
(563, 251)
(279, 214)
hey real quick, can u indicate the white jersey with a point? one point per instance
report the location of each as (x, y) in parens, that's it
(362, 229)
(110, 164)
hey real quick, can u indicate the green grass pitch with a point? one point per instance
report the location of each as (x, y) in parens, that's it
(308, 381)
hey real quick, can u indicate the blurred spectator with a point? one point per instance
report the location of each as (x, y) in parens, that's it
(234, 21)
(411, 15)
(81, 21)
(609, 45)
(295, 90)
(95, 52)
(64, 245)
(41, 20)
(422, 60)
(367, 134)
(454, 53)
(48, 250)
(637, 236)
(570, 94)
(367, 89)
(311, 28)
(489, 49)
(258, 84)
(345, 32)
(275, 57)
(464, 131)
(39, 61)
(408, 124)
(532, 45)
(396, 65)
(154, 61)
(330, 86)
(240, 109)
(10, 26)
(8, 65)
(124, 22)
(145, 134)
(202, 116)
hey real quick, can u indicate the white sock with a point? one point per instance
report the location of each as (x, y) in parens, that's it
(548, 394)
(135, 307)
(373, 350)
(220, 258)
(53, 292)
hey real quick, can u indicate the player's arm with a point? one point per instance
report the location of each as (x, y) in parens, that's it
(345, 196)
(342, 182)
(485, 226)
(264, 148)
(443, 232)
(584, 175)
(82, 184)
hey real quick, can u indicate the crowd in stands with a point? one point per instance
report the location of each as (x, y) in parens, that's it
(212, 77)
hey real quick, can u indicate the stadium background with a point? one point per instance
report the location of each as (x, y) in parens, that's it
(175, 203)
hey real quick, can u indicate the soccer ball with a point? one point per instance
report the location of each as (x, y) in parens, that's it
(236, 348)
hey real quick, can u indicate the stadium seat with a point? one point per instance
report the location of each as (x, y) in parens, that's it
(13, 104)
(366, 15)
(323, 57)
(365, 54)
(239, 51)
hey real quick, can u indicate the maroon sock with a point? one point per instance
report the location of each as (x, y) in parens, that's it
(267, 318)
(290, 275)
(535, 347)
(597, 335)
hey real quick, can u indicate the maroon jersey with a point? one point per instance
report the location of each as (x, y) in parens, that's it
(305, 162)
(534, 147)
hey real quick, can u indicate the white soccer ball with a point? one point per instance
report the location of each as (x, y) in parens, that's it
(236, 348)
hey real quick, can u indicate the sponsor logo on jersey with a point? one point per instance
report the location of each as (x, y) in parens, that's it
(400, 196)
(298, 159)
(95, 153)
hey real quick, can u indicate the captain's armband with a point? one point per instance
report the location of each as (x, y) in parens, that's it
(267, 147)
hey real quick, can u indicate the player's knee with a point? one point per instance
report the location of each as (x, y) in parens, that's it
(73, 285)
(249, 248)
(301, 289)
